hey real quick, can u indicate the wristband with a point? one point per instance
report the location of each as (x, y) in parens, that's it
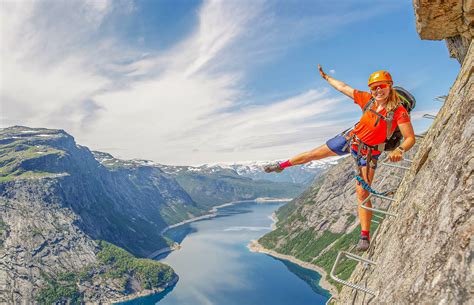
(401, 149)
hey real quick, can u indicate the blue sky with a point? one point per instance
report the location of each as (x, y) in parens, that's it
(191, 82)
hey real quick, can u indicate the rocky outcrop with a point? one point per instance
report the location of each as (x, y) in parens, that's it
(452, 20)
(42, 243)
(57, 199)
(424, 256)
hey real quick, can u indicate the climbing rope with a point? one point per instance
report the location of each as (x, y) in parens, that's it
(367, 187)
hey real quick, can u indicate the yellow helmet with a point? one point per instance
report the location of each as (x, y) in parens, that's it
(380, 76)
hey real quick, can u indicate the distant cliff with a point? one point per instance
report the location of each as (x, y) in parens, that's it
(58, 200)
(303, 174)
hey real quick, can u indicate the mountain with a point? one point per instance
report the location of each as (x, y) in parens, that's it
(214, 185)
(303, 174)
(72, 221)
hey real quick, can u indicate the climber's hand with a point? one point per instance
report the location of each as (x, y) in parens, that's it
(323, 75)
(395, 155)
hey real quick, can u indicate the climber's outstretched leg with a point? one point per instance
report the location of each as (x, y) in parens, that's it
(365, 216)
(318, 153)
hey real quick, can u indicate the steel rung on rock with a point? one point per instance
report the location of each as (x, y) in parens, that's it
(396, 166)
(378, 216)
(429, 116)
(355, 258)
(362, 205)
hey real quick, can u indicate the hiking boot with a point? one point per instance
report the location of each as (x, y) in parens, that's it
(363, 244)
(272, 167)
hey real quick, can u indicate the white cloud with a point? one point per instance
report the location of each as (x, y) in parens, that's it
(184, 105)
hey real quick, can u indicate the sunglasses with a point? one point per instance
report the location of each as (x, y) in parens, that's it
(381, 86)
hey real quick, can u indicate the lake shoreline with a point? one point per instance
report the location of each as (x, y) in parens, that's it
(145, 292)
(255, 246)
(211, 214)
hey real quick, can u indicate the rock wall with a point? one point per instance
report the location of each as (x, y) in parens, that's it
(424, 256)
(42, 238)
(452, 20)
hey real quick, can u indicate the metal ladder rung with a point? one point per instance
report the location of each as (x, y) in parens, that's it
(378, 216)
(419, 136)
(355, 258)
(395, 166)
(362, 205)
(429, 116)
(399, 166)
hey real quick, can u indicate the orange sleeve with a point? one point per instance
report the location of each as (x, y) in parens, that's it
(401, 115)
(361, 98)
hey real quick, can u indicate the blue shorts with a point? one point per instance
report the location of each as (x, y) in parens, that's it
(339, 142)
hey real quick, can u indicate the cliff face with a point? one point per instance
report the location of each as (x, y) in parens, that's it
(424, 256)
(122, 206)
(58, 198)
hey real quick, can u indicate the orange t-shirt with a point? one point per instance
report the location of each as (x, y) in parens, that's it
(365, 129)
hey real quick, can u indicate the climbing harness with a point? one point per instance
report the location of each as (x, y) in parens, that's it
(392, 139)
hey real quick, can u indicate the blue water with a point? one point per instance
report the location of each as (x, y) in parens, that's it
(216, 268)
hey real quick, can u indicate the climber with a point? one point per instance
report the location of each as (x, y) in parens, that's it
(382, 114)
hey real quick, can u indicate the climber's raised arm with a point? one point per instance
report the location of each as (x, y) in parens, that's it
(337, 84)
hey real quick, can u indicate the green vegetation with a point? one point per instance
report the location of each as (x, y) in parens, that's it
(209, 190)
(271, 239)
(179, 212)
(13, 154)
(25, 175)
(315, 247)
(115, 263)
(350, 219)
(150, 273)
(61, 289)
(285, 211)
(305, 246)
(346, 267)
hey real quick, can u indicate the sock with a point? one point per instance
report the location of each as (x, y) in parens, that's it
(285, 164)
(365, 233)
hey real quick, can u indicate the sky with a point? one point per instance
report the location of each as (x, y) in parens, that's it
(188, 82)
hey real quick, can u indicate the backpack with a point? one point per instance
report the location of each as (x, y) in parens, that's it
(393, 140)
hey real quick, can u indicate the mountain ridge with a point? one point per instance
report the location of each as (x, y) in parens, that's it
(59, 205)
